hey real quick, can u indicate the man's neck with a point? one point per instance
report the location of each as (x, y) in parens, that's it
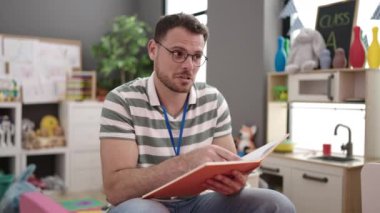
(172, 101)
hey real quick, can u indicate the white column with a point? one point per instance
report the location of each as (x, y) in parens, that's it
(372, 121)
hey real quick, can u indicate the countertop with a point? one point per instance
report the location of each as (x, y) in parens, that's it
(307, 156)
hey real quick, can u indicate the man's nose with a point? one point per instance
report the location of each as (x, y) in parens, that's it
(188, 62)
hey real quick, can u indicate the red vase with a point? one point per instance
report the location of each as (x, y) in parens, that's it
(357, 51)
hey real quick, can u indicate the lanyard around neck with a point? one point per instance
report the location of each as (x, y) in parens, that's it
(178, 149)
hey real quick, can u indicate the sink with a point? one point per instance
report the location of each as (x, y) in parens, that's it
(333, 158)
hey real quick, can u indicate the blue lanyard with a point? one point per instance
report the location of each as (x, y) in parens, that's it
(178, 149)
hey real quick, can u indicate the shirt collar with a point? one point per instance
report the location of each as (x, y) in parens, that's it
(153, 97)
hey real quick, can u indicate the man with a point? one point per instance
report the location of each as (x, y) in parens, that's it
(158, 128)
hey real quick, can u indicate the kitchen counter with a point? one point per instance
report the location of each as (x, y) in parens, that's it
(307, 156)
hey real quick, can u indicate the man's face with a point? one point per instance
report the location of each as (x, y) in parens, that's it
(178, 77)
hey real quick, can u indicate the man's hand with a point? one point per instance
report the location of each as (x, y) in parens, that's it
(227, 184)
(210, 153)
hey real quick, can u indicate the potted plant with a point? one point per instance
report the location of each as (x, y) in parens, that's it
(121, 54)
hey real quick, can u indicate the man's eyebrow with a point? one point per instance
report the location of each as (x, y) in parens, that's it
(185, 50)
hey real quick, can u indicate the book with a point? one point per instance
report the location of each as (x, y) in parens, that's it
(190, 183)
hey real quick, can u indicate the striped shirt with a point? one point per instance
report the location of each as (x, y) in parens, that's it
(132, 111)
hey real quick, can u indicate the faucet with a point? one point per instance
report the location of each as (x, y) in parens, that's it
(347, 146)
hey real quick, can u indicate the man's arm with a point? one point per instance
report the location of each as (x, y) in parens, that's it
(123, 181)
(226, 142)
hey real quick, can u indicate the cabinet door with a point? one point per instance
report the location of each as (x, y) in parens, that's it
(313, 87)
(84, 126)
(277, 176)
(317, 191)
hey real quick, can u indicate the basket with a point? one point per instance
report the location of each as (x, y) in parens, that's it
(5, 182)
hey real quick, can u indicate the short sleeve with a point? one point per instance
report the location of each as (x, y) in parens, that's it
(116, 121)
(223, 123)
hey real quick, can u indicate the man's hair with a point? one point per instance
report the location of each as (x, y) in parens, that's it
(189, 22)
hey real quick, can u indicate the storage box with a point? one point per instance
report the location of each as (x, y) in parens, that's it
(5, 182)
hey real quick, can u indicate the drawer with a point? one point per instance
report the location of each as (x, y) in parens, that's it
(85, 161)
(318, 191)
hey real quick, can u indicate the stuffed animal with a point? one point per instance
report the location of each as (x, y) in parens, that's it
(245, 142)
(305, 50)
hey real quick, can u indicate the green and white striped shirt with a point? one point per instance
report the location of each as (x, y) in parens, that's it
(133, 111)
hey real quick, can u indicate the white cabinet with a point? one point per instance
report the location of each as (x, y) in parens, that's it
(314, 186)
(277, 175)
(316, 190)
(81, 121)
(78, 163)
(85, 170)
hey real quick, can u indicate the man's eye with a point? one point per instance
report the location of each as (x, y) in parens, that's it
(197, 56)
(179, 54)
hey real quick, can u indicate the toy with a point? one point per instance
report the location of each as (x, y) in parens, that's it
(340, 60)
(50, 134)
(245, 142)
(305, 50)
(7, 132)
(9, 90)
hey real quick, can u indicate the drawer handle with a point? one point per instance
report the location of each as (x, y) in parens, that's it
(319, 179)
(269, 169)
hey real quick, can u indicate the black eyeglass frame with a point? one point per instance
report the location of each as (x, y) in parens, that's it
(172, 53)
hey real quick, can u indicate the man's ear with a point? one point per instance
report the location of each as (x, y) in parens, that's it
(152, 49)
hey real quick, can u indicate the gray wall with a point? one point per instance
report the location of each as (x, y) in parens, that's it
(85, 20)
(240, 37)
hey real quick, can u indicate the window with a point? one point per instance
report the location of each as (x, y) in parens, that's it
(313, 124)
(199, 9)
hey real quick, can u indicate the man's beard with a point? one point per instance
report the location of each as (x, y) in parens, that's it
(171, 85)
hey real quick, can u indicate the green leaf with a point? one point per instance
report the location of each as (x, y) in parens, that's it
(123, 49)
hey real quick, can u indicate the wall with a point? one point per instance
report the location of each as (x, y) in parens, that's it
(85, 20)
(239, 59)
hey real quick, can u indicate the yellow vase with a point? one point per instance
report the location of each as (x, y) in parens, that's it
(374, 51)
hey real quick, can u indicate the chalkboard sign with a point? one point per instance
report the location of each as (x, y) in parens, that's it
(335, 22)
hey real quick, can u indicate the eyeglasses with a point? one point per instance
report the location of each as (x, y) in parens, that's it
(180, 56)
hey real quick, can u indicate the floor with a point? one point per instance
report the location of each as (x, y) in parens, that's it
(78, 195)
(97, 195)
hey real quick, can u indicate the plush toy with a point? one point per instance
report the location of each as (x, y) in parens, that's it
(245, 142)
(305, 50)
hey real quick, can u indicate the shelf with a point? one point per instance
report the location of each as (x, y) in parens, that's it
(48, 151)
(48, 164)
(9, 104)
(276, 80)
(8, 164)
(9, 151)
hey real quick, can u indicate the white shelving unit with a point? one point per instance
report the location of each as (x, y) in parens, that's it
(9, 155)
(78, 163)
